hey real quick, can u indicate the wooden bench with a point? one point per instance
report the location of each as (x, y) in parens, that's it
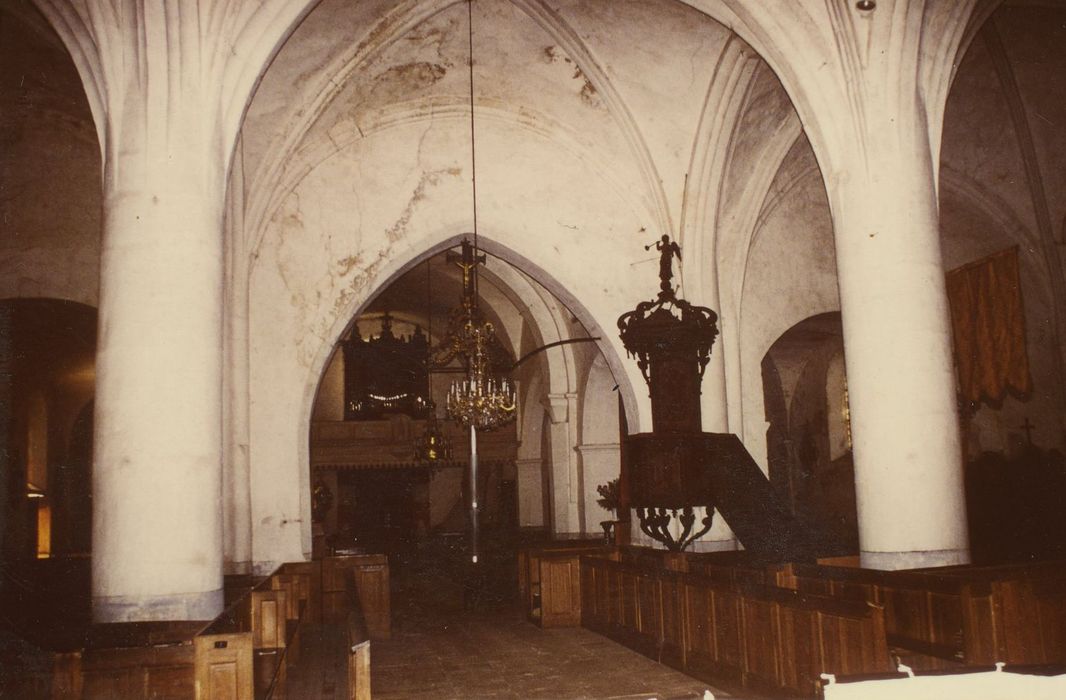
(129, 660)
(245, 652)
(528, 569)
(651, 558)
(769, 639)
(957, 616)
(358, 637)
(371, 572)
(738, 571)
(553, 589)
(1005, 681)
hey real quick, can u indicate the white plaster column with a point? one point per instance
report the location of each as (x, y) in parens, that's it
(167, 90)
(898, 352)
(878, 140)
(236, 469)
(157, 520)
(567, 507)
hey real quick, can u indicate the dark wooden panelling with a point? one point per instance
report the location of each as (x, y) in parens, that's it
(768, 638)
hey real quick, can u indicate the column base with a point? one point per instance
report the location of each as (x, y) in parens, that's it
(180, 606)
(265, 568)
(231, 568)
(891, 561)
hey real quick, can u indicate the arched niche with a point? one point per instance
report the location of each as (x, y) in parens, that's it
(808, 439)
(47, 381)
(272, 502)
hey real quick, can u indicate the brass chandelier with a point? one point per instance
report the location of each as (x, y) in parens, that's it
(485, 398)
(481, 400)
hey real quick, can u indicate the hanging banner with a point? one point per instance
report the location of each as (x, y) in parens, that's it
(988, 320)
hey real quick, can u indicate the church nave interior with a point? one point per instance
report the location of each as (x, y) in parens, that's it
(232, 239)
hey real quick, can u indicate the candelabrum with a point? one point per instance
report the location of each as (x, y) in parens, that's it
(482, 402)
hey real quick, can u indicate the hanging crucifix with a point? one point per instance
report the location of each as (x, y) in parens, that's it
(466, 261)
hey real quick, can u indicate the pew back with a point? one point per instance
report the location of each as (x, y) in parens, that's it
(762, 637)
(131, 660)
(943, 618)
(371, 573)
(224, 664)
(358, 642)
(245, 652)
(553, 595)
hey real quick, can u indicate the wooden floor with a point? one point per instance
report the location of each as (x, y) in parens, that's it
(441, 649)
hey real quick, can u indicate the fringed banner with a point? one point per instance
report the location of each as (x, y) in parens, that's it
(989, 327)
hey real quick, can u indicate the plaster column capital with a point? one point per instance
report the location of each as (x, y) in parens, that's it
(172, 80)
(559, 406)
(850, 72)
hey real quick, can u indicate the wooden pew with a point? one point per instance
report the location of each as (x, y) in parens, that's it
(245, 652)
(923, 613)
(738, 571)
(651, 558)
(217, 658)
(358, 659)
(130, 660)
(769, 639)
(957, 616)
(308, 579)
(371, 572)
(358, 680)
(553, 591)
(547, 544)
(224, 654)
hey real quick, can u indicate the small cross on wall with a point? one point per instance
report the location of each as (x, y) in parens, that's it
(1028, 428)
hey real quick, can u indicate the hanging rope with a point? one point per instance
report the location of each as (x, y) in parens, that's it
(473, 147)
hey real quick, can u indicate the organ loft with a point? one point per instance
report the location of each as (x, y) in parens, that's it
(483, 348)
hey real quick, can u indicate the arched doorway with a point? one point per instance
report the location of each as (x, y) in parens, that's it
(808, 438)
(47, 378)
(373, 491)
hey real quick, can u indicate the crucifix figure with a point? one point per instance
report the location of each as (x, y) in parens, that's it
(467, 261)
(1028, 428)
(668, 250)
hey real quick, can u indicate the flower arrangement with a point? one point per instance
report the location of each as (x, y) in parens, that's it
(609, 495)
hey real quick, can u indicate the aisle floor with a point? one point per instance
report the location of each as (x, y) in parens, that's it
(499, 655)
(489, 656)
(441, 648)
